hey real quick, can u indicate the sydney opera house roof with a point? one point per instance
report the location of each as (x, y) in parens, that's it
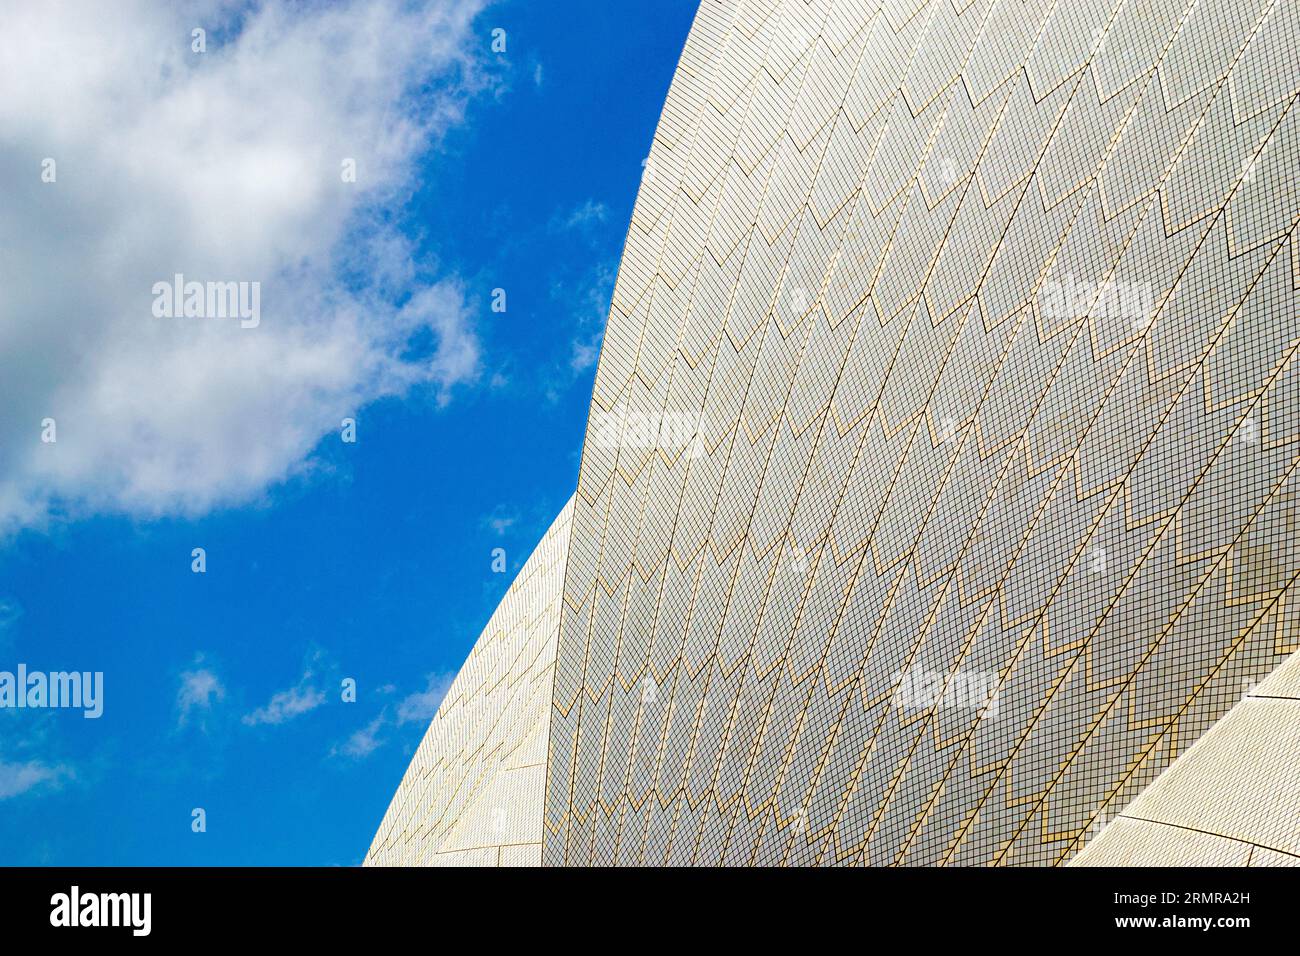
(937, 489)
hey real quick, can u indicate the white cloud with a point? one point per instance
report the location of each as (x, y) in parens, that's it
(589, 213)
(590, 303)
(501, 520)
(223, 166)
(18, 778)
(363, 742)
(285, 705)
(199, 689)
(585, 352)
(422, 705)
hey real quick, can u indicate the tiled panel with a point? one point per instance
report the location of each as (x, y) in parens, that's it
(979, 320)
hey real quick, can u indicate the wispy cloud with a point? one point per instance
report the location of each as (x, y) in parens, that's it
(27, 745)
(419, 707)
(292, 702)
(363, 742)
(585, 352)
(200, 689)
(285, 705)
(18, 778)
(422, 705)
(589, 301)
(501, 520)
(588, 213)
(10, 612)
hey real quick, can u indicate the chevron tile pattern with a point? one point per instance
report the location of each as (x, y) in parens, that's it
(472, 795)
(981, 315)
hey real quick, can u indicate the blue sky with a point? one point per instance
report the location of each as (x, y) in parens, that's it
(370, 560)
